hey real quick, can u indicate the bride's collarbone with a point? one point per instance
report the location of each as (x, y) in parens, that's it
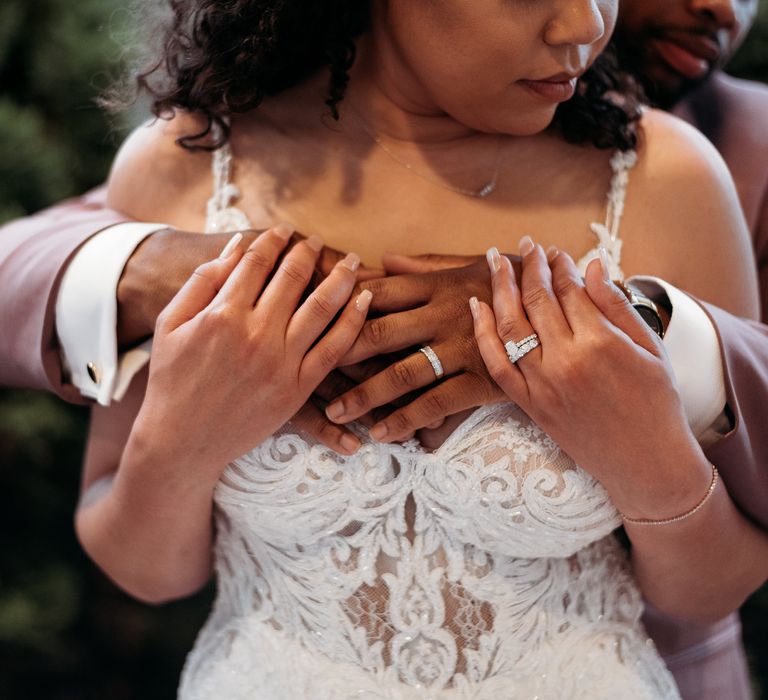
(458, 230)
(374, 204)
(415, 218)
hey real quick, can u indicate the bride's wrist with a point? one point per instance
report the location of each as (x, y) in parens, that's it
(671, 487)
(167, 461)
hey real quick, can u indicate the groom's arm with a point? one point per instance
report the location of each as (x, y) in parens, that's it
(741, 454)
(34, 252)
(71, 275)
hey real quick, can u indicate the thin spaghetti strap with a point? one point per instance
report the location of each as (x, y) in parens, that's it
(621, 163)
(220, 214)
(608, 233)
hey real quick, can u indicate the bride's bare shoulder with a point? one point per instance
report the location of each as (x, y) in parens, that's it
(153, 178)
(670, 147)
(684, 210)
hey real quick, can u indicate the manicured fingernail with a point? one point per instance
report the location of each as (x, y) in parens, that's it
(316, 243)
(604, 264)
(474, 307)
(335, 411)
(510, 268)
(230, 247)
(363, 300)
(379, 431)
(349, 442)
(351, 262)
(526, 245)
(552, 253)
(494, 260)
(284, 231)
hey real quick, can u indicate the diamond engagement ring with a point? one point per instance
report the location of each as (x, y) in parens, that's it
(434, 360)
(519, 349)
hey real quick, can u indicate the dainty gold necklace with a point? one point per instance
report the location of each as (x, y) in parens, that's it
(488, 188)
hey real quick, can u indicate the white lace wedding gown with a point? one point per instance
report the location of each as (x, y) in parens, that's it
(486, 570)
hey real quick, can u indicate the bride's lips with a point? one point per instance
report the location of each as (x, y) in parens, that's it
(692, 58)
(555, 89)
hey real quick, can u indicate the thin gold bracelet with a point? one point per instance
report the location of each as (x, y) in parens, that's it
(677, 518)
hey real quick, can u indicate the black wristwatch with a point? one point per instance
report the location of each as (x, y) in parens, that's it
(644, 306)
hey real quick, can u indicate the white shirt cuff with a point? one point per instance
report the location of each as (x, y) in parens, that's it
(694, 352)
(86, 313)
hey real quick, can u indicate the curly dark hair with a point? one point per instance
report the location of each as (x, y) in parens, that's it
(222, 57)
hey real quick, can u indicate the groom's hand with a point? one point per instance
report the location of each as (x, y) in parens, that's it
(432, 309)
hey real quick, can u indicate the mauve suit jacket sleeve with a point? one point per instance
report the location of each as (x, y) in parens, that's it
(34, 253)
(742, 454)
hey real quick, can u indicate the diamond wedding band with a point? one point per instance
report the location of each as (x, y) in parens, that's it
(519, 349)
(434, 360)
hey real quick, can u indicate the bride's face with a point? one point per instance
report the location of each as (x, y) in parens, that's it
(494, 65)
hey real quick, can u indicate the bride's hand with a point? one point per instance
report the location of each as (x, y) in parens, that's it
(234, 358)
(599, 383)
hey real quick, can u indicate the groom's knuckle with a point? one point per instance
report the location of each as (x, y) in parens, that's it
(401, 423)
(377, 287)
(324, 431)
(328, 356)
(436, 404)
(403, 375)
(484, 391)
(378, 332)
(357, 400)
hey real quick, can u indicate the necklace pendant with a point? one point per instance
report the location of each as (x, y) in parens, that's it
(487, 189)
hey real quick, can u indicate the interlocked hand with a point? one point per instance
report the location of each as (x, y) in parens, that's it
(427, 308)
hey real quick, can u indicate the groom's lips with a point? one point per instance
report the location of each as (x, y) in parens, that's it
(690, 55)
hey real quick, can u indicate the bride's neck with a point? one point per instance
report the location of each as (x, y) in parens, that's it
(391, 101)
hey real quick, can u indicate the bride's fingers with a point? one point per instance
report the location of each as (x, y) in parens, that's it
(506, 374)
(244, 285)
(325, 355)
(568, 286)
(539, 301)
(314, 315)
(512, 325)
(281, 296)
(615, 306)
(201, 288)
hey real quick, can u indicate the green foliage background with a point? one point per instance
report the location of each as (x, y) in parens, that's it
(65, 632)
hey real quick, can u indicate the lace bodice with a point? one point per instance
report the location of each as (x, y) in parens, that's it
(485, 565)
(485, 569)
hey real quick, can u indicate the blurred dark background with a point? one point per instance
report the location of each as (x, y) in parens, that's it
(65, 632)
